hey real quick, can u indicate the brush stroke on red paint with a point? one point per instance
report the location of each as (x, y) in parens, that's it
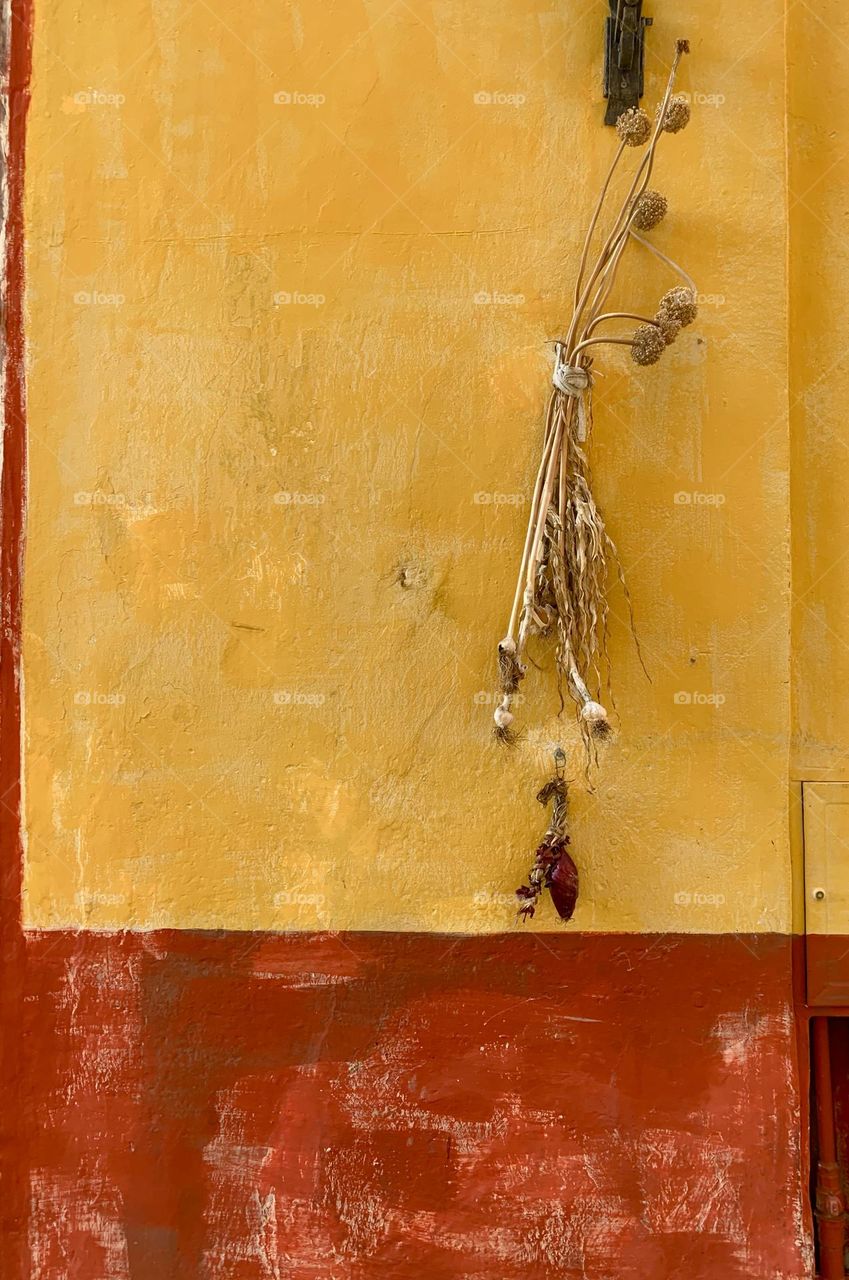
(316, 1107)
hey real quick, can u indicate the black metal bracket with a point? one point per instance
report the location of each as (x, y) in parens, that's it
(624, 56)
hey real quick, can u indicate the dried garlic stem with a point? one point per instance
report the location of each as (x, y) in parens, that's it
(594, 220)
(546, 498)
(669, 261)
(532, 518)
(593, 342)
(618, 315)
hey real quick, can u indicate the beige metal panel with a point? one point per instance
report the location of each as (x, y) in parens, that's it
(826, 816)
(826, 824)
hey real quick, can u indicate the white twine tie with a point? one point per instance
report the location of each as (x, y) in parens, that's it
(573, 380)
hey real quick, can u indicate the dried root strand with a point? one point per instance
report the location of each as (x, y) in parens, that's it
(510, 670)
(506, 736)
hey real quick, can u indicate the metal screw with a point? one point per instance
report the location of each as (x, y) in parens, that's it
(819, 894)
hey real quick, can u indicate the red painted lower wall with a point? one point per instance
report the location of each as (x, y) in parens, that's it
(342, 1107)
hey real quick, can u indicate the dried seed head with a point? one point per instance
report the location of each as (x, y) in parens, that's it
(680, 304)
(677, 113)
(668, 327)
(633, 127)
(649, 210)
(648, 344)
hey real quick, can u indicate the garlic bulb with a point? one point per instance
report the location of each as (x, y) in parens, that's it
(502, 717)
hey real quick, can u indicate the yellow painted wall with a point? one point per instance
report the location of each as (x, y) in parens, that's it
(246, 712)
(818, 183)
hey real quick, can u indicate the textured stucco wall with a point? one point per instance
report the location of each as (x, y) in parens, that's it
(255, 714)
(818, 186)
(387, 1107)
(170, 597)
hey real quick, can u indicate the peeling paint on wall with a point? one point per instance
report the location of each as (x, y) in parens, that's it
(291, 277)
(430, 1104)
(280, 449)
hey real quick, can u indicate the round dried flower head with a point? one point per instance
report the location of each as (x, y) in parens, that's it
(633, 127)
(680, 304)
(677, 113)
(649, 210)
(668, 327)
(648, 344)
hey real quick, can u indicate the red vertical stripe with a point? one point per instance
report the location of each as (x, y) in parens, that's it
(13, 1192)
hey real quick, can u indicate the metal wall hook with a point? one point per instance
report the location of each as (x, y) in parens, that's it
(624, 56)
